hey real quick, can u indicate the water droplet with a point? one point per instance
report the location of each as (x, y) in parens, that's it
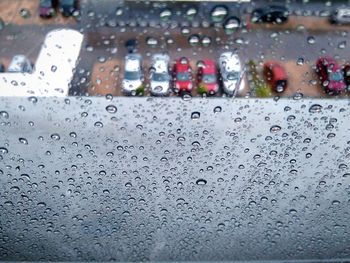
(191, 13)
(25, 13)
(23, 140)
(217, 109)
(33, 99)
(186, 97)
(101, 59)
(231, 25)
(193, 40)
(53, 68)
(98, 124)
(73, 134)
(300, 61)
(311, 40)
(218, 13)
(4, 114)
(195, 115)
(3, 150)
(335, 202)
(152, 42)
(275, 129)
(165, 15)
(298, 96)
(206, 41)
(26, 176)
(41, 204)
(201, 182)
(55, 136)
(331, 135)
(111, 109)
(315, 108)
(342, 45)
(185, 30)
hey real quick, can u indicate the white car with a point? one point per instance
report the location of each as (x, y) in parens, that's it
(340, 16)
(231, 72)
(133, 76)
(20, 64)
(159, 75)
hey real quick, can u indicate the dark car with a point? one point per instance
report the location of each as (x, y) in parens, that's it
(331, 75)
(275, 76)
(131, 45)
(270, 14)
(346, 72)
(47, 8)
(2, 68)
(67, 7)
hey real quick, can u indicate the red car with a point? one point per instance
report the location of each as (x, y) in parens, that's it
(275, 76)
(331, 75)
(182, 73)
(47, 8)
(207, 77)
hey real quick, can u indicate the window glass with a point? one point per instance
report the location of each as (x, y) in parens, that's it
(103, 160)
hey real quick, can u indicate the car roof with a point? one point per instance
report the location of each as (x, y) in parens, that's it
(182, 67)
(133, 62)
(343, 11)
(329, 60)
(160, 62)
(277, 69)
(209, 66)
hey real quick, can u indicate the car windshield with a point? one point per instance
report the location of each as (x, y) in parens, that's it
(183, 76)
(67, 2)
(209, 78)
(234, 75)
(336, 76)
(45, 3)
(132, 75)
(160, 77)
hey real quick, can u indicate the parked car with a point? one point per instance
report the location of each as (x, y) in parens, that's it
(20, 63)
(131, 45)
(231, 73)
(2, 68)
(331, 75)
(47, 8)
(159, 75)
(346, 73)
(67, 7)
(275, 76)
(340, 16)
(182, 74)
(270, 14)
(207, 77)
(133, 77)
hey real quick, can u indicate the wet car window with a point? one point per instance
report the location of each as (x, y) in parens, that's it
(183, 76)
(209, 78)
(160, 77)
(132, 75)
(233, 75)
(149, 130)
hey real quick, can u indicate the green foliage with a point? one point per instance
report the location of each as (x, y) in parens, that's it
(202, 89)
(263, 90)
(140, 90)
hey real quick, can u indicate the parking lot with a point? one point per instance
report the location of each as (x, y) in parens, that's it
(296, 45)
